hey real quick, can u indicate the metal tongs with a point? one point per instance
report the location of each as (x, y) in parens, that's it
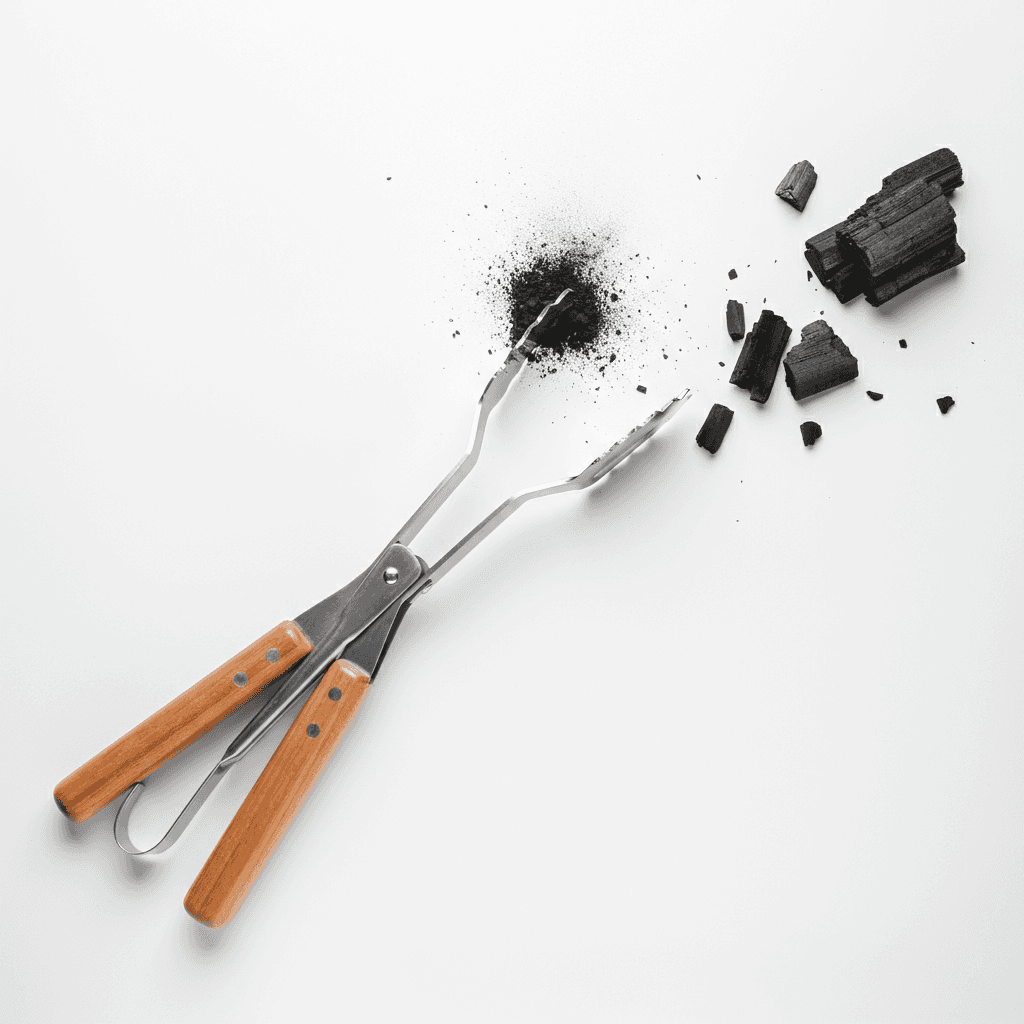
(326, 657)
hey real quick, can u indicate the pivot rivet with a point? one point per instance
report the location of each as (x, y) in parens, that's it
(240, 679)
(390, 575)
(273, 655)
(334, 693)
(313, 729)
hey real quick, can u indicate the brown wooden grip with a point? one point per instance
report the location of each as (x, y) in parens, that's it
(156, 740)
(273, 802)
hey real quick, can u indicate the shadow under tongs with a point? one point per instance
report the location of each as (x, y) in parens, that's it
(201, 939)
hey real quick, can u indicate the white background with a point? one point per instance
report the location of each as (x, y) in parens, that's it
(727, 739)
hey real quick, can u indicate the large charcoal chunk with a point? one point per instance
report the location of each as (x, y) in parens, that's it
(820, 361)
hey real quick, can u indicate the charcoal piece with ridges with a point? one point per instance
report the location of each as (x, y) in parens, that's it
(758, 362)
(834, 269)
(899, 230)
(711, 435)
(875, 396)
(820, 361)
(940, 166)
(934, 263)
(810, 432)
(945, 404)
(798, 184)
(735, 321)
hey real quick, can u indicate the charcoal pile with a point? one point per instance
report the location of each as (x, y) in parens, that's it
(902, 235)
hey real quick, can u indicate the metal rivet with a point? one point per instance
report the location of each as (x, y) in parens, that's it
(390, 575)
(241, 679)
(273, 655)
(313, 729)
(334, 693)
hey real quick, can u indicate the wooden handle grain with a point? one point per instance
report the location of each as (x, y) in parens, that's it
(156, 740)
(273, 802)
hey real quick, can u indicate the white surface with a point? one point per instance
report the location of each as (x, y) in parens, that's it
(729, 739)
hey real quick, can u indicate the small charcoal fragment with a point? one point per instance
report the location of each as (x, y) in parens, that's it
(810, 274)
(903, 342)
(732, 275)
(820, 361)
(798, 184)
(735, 321)
(758, 363)
(713, 432)
(641, 389)
(875, 396)
(810, 432)
(945, 404)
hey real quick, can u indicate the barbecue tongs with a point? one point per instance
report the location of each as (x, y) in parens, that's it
(304, 656)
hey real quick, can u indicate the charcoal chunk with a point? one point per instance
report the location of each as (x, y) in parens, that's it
(810, 432)
(836, 267)
(835, 271)
(758, 362)
(875, 396)
(934, 263)
(711, 435)
(945, 404)
(641, 389)
(941, 167)
(798, 184)
(732, 275)
(903, 342)
(820, 361)
(735, 322)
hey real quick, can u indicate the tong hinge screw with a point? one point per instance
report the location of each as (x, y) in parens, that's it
(313, 729)
(334, 693)
(240, 679)
(273, 655)
(390, 575)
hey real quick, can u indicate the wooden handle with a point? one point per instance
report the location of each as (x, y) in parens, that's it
(273, 802)
(141, 751)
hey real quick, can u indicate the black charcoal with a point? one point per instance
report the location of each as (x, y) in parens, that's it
(758, 362)
(820, 361)
(810, 432)
(875, 396)
(945, 404)
(732, 275)
(641, 389)
(934, 263)
(735, 322)
(835, 264)
(716, 425)
(941, 167)
(903, 342)
(798, 184)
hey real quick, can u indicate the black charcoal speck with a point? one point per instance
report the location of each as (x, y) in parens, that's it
(809, 275)
(810, 432)
(903, 342)
(945, 404)
(875, 396)
(721, 363)
(643, 390)
(732, 275)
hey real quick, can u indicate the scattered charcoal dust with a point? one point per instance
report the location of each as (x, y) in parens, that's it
(608, 313)
(531, 288)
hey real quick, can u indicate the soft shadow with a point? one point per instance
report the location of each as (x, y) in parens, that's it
(200, 940)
